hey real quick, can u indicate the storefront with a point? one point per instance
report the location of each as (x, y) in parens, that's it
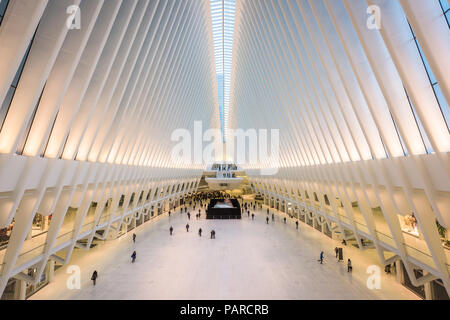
(438, 290)
(43, 281)
(309, 220)
(317, 224)
(420, 290)
(408, 224)
(302, 215)
(5, 233)
(327, 231)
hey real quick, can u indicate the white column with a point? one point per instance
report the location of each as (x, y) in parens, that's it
(20, 290)
(51, 270)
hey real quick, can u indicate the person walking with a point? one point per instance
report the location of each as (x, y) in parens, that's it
(169, 213)
(213, 234)
(134, 237)
(267, 211)
(321, 257)
(187, 227)
(267, 220)
(171, 230)
(189, 216)
(349, 265)
(336, 250)
(94, 276)
(133, 257)
(284, 220)
(273, 217)
(253, 216)
(200, 232)
(296, 224)
(248, 213)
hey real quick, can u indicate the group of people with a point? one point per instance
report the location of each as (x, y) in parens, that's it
(197, 200)
(201, 200)
(273, 219)
(204, 196)
(213, 232)
(336, 250)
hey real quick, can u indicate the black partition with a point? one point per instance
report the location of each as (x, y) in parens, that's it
(223, 213)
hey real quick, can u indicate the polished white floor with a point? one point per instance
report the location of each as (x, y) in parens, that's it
(247, 260)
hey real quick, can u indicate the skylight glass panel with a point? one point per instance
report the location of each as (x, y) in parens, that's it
(223, 13)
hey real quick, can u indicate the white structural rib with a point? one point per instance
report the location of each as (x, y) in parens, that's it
(87, 115)
(364, 141)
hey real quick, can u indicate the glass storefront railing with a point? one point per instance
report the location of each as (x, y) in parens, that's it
(362, 227)
(386, 239)
(419, 255)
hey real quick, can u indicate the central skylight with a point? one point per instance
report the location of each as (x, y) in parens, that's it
(223, 12)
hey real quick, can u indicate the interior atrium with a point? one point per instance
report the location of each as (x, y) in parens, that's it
(310, 138)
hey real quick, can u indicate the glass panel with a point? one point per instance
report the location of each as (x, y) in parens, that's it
(445, 5)
(222, 13)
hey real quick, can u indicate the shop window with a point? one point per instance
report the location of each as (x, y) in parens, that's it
(8, 293)
(420, 290)
(438, 289)
(5, 233)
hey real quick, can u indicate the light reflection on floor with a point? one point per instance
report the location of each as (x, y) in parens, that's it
(247, 260)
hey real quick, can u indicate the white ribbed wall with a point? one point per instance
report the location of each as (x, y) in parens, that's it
(92, 116)
(337, 91)
(89, 116)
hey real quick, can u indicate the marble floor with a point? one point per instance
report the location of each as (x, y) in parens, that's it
(247, 260)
